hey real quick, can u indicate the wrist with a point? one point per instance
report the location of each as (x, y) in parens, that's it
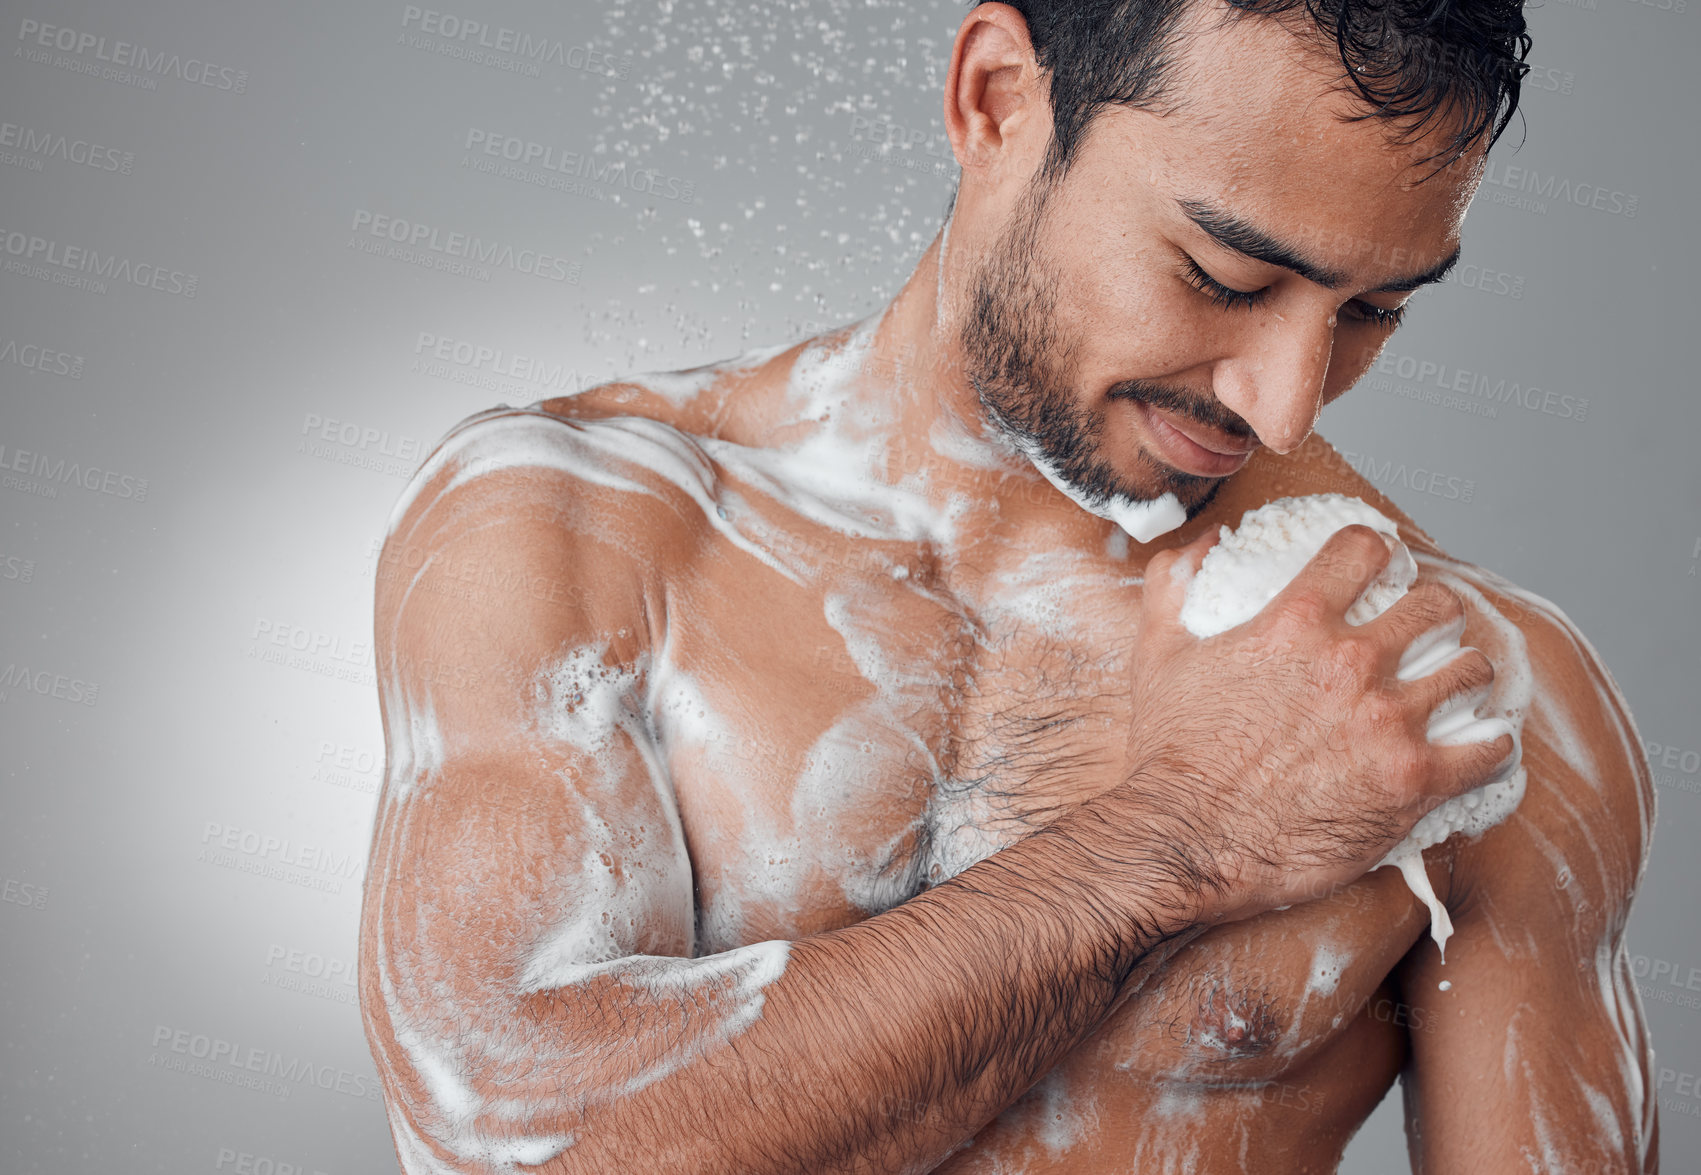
(1136, 869)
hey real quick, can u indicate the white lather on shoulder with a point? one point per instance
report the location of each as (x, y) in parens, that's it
(1250, 565)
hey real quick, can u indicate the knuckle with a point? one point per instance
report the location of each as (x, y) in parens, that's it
(1474, 667)
(1404, 770)
(1386, 714)
(1366, 545)
(1357, 652)
(1301, 608)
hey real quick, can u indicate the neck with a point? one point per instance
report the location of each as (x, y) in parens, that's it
(942, 439)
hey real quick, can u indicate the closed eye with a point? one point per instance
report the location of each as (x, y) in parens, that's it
(1217, 292)
(1230, 298)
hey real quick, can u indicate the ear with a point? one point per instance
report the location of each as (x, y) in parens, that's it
(995, 94)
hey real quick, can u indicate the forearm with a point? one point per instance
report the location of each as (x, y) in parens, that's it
(886, 1043)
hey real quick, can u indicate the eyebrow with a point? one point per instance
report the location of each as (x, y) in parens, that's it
(1237, 235)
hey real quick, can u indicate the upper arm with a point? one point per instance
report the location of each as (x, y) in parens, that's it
(1536, 1057)
(527, 829)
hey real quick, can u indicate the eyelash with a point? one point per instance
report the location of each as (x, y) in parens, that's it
(1246, 299)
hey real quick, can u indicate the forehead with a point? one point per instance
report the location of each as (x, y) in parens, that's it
(1254, 121)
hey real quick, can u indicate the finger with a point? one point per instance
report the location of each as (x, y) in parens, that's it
(1468, 766)
(1451, 694)
(1425, 624)
(1338, 574)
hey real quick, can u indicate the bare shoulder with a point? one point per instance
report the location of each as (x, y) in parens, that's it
(739, 399)
(575, 515)
(525, 531)
(1581, 835)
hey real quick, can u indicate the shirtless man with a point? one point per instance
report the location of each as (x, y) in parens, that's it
(787, 773)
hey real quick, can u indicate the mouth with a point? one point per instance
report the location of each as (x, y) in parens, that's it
(1191, 447)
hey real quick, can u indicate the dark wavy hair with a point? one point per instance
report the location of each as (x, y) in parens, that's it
(1410, 61)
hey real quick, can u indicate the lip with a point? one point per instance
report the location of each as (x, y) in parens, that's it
(1190, 449)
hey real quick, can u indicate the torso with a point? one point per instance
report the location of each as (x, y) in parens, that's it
(841, 742)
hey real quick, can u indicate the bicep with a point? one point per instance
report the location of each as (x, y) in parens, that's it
(527, 838)
(1534, 1055)
(1532, 1052)
(523, 788)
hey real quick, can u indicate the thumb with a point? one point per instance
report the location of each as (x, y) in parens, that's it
(1168, 573)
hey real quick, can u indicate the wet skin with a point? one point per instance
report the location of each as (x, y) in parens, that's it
(1260, 1045)
(876, 705)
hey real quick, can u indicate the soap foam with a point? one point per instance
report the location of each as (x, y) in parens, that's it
(1249, 566)
(1143, 519)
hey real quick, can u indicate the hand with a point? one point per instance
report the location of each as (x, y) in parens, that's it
(1284, 755)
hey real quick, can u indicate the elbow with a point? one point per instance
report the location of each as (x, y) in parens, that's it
(465, 1094)
(437, 1145)
(454, 1107)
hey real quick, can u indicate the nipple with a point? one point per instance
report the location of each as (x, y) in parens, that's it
(1233, 1024)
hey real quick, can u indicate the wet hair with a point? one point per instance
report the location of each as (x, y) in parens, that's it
(1410, 61)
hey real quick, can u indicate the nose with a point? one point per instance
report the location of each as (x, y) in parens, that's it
(1274, 379)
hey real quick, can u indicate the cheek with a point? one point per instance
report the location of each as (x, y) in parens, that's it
(1134, 319)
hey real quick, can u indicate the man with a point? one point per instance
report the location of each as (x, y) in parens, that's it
(787, 773)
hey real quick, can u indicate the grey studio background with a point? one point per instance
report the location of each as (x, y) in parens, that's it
(201, 448)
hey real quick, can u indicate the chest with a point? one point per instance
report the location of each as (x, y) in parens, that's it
(837, 751)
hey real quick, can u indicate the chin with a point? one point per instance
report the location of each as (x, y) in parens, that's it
(1153, 479)
(1195, 493)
